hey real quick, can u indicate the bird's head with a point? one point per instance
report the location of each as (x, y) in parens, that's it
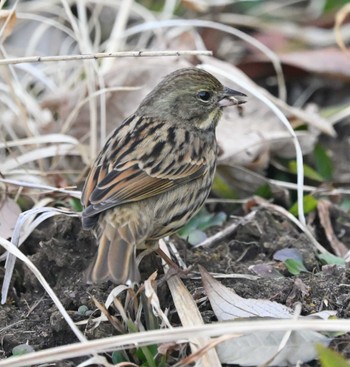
(190, 97)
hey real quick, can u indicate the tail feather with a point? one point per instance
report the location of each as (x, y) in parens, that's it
(116, 256)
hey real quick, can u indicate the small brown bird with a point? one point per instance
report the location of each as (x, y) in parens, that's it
(155, 171)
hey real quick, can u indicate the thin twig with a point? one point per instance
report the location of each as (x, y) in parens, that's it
(102, 55)
(226, 231)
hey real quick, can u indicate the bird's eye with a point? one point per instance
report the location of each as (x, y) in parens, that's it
(204, 95)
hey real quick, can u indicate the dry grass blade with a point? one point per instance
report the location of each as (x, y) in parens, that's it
(115, 322)
(182, 333)
(323, 208)
(339, 20)
(115, 42)
(18, 237)
(34, 155)
(75, 194)
(190, 316)
(43, 139)
(7, 22)
(200, 353)
(153, 299)
(280, 115)
(112, 298)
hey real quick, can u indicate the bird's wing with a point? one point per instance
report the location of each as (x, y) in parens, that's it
(137, 167)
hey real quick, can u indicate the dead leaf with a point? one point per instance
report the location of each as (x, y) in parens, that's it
(7, 19)
(258, 347)
(153, 299)
(189, 315)
(265, 271)
(9, 212)
(335, 63)
(112, 319)
(228, 305)
(323, 207)
(167, 348)
(255, 349)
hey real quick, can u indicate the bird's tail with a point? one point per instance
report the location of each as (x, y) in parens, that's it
(116, 255)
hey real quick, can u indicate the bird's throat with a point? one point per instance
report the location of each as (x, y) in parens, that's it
(211, 120)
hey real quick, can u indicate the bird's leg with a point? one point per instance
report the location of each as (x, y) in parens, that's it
(174, 269)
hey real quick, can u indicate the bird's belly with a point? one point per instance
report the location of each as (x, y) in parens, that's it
(162, 215)
(175, 208)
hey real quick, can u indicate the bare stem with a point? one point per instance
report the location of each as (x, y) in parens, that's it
(101, 55)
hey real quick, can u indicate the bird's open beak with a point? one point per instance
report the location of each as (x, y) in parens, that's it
(232, 97)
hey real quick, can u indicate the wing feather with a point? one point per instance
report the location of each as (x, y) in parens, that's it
(118, 178)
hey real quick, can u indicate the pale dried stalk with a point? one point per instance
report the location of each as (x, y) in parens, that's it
(102, 55)
(183, 334)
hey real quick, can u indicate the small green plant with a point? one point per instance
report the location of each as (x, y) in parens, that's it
(75, 204)
(193, 231)
(20, 350)
(330, 259)
(330, 358)
(295, 267)
(264, 191)
(323, 163)
(130, 314)
(84, 311)
(310, 204)
(292, 259)
(309, 172)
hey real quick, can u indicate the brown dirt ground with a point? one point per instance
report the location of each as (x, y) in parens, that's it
(62, 250)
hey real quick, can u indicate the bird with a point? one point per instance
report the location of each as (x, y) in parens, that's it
(154, 172)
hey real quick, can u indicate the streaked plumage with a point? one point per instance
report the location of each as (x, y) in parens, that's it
(155, 171)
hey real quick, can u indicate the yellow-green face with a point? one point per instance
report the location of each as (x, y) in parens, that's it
(189, 97)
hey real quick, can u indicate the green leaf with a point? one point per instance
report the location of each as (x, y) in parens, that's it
(309, 172)
(295, 267)
(323, 163)
(202, 221)
(213, 220)
(310, 204)
(20, 350)
(82, 310)
(118, 357)
(222, 189)
(147, 355)
(196, 237)
(75, 204)
(330, 358)
(332, 5)
(264, 191)
(331, 259)
(345, 205)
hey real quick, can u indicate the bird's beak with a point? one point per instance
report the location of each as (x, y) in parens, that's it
(231, 97)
